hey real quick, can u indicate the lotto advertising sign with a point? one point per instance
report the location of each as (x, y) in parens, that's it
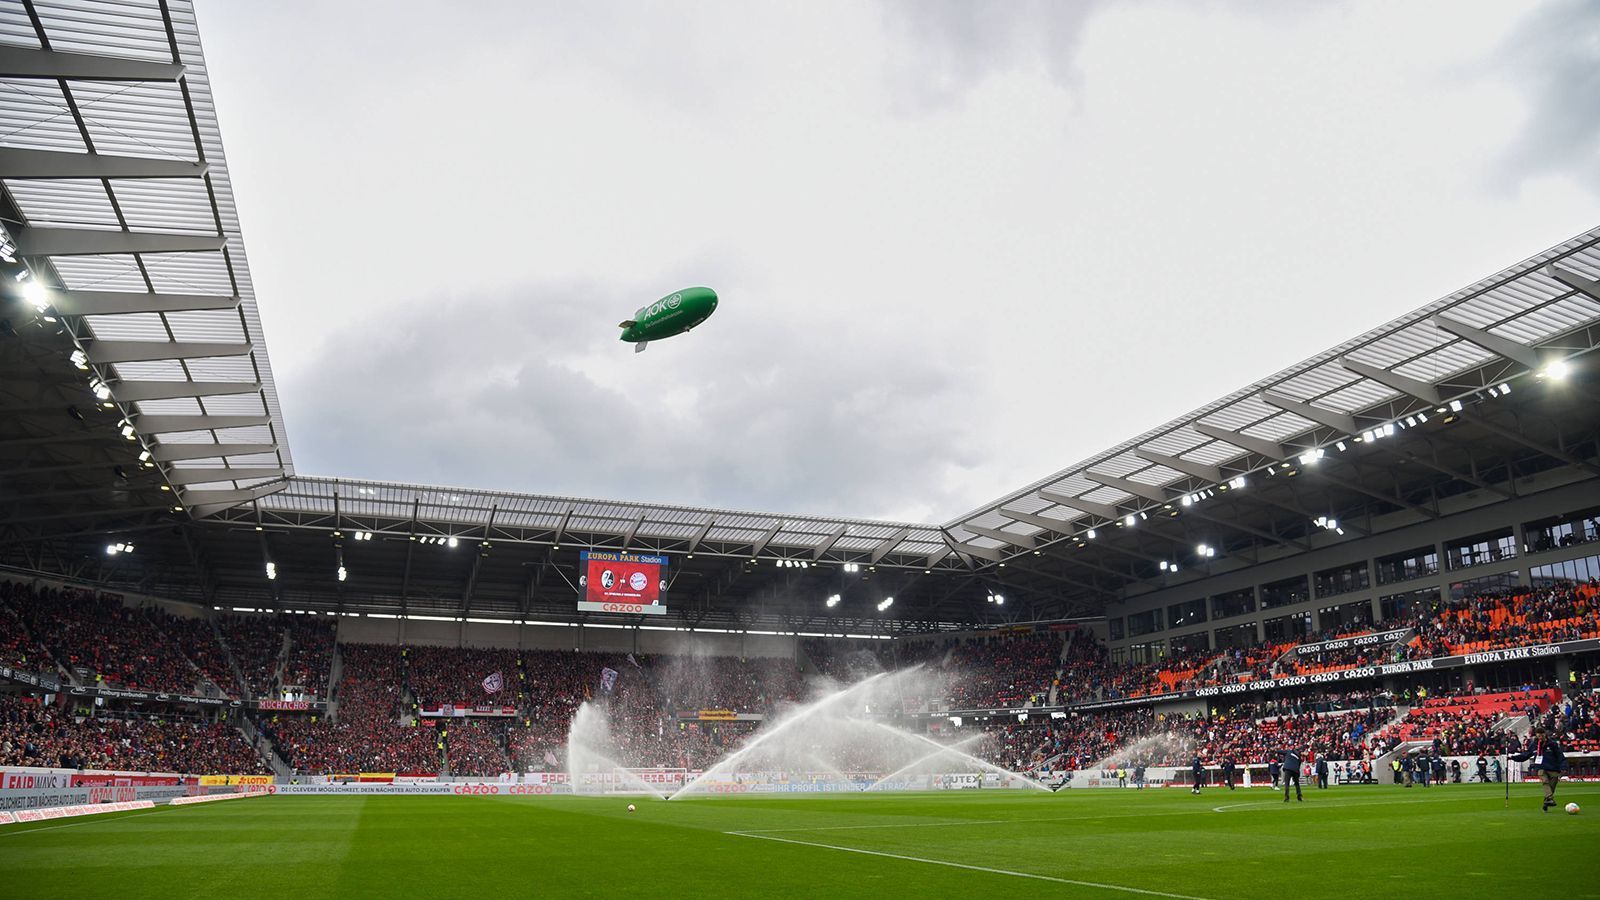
(622, 583)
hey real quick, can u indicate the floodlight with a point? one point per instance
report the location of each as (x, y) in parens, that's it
(36, 295)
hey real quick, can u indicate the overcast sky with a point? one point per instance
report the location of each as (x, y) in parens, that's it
(959, 245)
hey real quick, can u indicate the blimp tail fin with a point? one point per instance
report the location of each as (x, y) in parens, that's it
(627, 323)
(639, 347)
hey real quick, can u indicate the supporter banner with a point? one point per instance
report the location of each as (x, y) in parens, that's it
(449, 711)
(288, 705)
(147, 696)
(1360, 640)
(719, 715)
(123, 779)
(234, 780)
(28, 678)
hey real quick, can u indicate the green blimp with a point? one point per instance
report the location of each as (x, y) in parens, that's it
(673, 314)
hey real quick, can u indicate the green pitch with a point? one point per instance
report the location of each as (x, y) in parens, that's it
(1449, 841)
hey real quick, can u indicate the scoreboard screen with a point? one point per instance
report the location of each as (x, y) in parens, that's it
(628, 583)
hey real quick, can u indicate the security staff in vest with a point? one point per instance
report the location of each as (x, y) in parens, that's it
(1550, 762)
(1322, 772)
(1291, 773)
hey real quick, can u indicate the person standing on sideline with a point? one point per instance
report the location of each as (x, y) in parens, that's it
(1227, 771)
(1291, 772)
(1198, 770)
(1322, 773)
(1549, 759)
(1273, 770)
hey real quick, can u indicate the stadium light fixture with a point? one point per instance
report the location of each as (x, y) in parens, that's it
(451, 542)
(144, 456)
(80, 359)
(833, 600)
(1090, 534)
(1340, 444)
(36, 295)
(1455, 406)
(272, 571)
(1130, 521)
(342, 573)
(1557, 370)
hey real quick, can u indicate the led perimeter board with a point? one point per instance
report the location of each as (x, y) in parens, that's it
(628, 583)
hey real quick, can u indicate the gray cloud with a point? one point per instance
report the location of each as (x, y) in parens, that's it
(1555, 58)
(943, 48)
(532, 391)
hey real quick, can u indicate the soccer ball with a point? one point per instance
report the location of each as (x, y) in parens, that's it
(1572, 809)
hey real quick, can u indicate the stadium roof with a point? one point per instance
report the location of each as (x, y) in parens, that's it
(1517, 320)
(115, 194)
(118, 198)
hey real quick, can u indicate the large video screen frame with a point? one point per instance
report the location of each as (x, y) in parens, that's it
(627, 583)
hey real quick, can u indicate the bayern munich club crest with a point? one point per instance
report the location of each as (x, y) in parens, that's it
(638, 581)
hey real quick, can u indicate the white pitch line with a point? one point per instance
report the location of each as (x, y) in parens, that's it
(86, 821)
(970, 868)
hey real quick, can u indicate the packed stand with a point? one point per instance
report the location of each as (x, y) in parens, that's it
(456, 675)
(18, 650)
(198, 641)
(310, 661)
(374, 732)
(1565, 612)
(1003, 671)
(257, 646)
(96, 635)
(476, 747)
(36, 735)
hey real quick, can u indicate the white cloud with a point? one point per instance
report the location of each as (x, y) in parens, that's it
(957, 250)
